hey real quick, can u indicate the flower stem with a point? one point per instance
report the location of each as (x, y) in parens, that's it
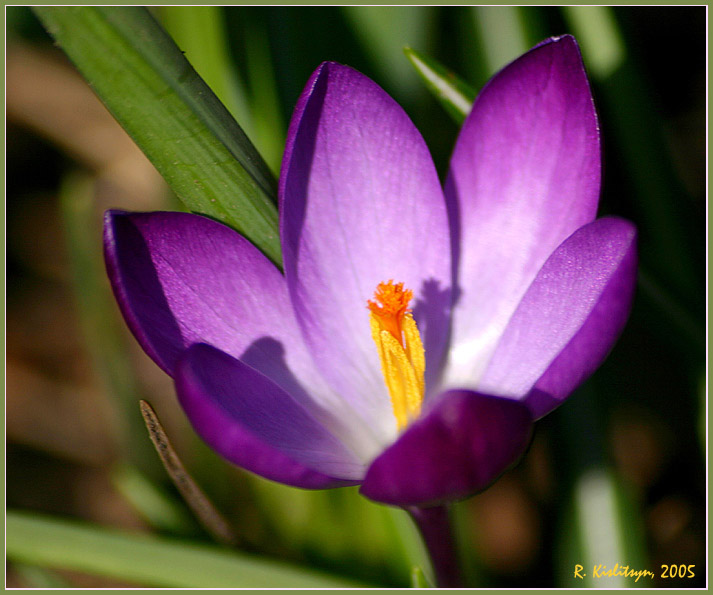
(435, 528)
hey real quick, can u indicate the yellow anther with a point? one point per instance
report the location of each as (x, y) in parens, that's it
(415, 352)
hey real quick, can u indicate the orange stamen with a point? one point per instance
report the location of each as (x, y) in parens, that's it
(400, 349)
(392, 305)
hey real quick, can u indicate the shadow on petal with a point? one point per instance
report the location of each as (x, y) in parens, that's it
(252, 422)
(432, 313)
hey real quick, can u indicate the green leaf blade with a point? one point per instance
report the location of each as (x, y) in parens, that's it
(174, 117)
(200, 33)
(418, 579)
(455, 95)
(143, 559)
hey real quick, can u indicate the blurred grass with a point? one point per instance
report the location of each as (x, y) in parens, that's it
(265, 101)
(154, 504)
(669, 256)
(36, 539)
(602, 523)
(39, 578)
(455, 95)
(384, 31)
(502, 35)
(98, 317)
(340, 525)
(257, 59)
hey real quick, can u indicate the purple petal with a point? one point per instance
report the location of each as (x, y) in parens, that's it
(458, 448)
(360, 204)
(569, 318)
(182, 279)
(524, 175)
(252, 422)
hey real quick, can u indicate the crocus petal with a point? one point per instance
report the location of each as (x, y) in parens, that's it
(456, 449)
(252, 422)
(524, 175)
(569, 318)
(182, 279)
(360, 204)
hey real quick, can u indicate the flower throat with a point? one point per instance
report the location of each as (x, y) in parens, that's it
(400, 349)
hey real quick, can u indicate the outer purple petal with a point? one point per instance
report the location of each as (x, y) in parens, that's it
(569, 318)
(182, 279)
(360, 204)
(253, 423)
(525, 174)
(458, 448)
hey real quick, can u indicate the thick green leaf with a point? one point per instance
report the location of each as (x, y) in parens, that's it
(200, 33)
(145, 81)
(143, 559)
(455, 95)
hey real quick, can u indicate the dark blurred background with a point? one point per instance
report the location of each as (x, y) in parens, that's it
(74, 375)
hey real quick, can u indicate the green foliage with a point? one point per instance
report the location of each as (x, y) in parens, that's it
(418, 579)
(454, 94)
(143, 559)
(155, 94)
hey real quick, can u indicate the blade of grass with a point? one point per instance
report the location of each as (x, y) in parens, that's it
(502, 33)
(151, 89)
(264, 97)
(151, 502)
(384, 30)
(35, 577)
(98, 317)
(405, 539)
(371, 535)
(663, 210)
(601, 525)
(418, 579)
(48, 541)
(601, 533)
(454, 94)
(596, 29)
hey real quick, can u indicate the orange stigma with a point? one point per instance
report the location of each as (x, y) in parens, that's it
(400, 349)
(392, 305)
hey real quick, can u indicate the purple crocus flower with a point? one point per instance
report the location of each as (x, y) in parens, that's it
(416, 332)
